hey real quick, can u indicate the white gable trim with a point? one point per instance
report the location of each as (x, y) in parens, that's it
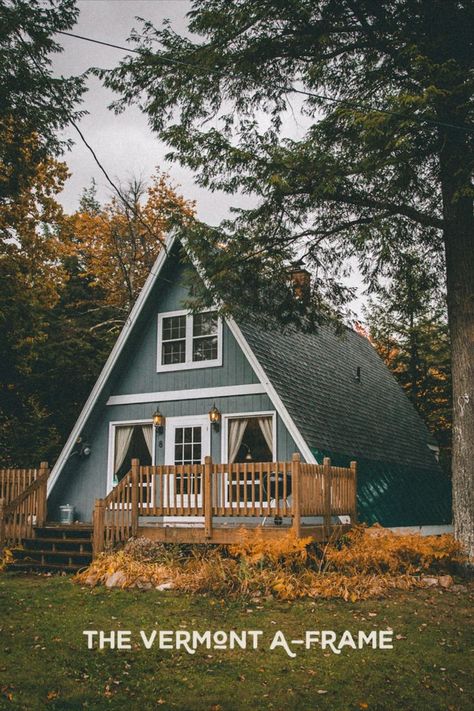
(118, 347)
(111, 360)
(193, 394)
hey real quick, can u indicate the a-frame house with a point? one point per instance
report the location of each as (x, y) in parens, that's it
(269, 408)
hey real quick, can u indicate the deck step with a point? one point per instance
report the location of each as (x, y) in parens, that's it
(78, 545)
(64, 532)
(52, 556)
(34, 566)
(55, 548)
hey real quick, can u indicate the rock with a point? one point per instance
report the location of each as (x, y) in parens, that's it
(90, 581)
(142, 584)
(429, 582)
(165, 586)
(459, 588)
(445, 581)
(115, 580)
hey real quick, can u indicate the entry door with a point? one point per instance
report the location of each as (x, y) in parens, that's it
(188, 441)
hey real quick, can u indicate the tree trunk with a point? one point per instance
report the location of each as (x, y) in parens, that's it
(459, 248)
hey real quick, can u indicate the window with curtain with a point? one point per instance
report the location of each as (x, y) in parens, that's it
(250, 439)
(132, 442)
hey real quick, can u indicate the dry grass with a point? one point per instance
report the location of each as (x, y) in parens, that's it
(366, 563)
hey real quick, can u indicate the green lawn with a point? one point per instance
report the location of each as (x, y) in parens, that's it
(45, 663)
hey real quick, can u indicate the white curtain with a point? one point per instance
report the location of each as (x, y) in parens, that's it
(123, 436)
(266, 425)
(236, 434)
(148, 437)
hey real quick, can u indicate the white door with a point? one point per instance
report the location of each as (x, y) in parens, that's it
(187, 441)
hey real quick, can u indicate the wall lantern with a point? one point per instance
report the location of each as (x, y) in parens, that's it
(215, 417)
(159, 420)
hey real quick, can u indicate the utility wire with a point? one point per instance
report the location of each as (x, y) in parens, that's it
(115, 187)
(289, 89)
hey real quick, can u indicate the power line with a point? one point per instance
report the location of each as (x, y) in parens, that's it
(122, 197)
(289, 89)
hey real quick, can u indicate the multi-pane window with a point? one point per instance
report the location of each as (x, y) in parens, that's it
(188, 340)
(187, 450)
(187, 445)
(205, 336)
(173, 340)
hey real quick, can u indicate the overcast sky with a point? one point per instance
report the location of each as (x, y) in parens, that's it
(124, 144)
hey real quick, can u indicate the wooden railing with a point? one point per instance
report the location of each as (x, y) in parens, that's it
(23, 505)
(206, 491)
(112, 517)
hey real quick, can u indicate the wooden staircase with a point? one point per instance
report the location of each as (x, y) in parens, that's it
(54, 548)
(37, 545)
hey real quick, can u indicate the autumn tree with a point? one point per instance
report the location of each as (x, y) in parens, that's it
(34, 107)
(117, 243)
(386, 161)
(31, 275)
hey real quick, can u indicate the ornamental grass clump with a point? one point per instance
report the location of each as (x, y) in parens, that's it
(365, 563)
(379, 551)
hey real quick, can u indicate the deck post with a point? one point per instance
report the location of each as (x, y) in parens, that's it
(327, 496)
(98, 521)
(207, 500)
(295, 492)
(2, 525)
(354, 478)
(134, 509)
(41, 513)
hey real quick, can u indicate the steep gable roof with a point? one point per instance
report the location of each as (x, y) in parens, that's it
(315, 375)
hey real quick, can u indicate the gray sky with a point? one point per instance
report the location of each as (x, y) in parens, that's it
(124, 144)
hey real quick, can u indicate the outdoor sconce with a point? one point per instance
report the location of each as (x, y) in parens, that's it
(215, 417)
(83, 450)
(159, 421)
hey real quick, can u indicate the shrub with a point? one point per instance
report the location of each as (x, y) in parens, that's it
(365, 563)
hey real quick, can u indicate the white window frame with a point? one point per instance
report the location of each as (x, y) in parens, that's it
(189, 363)
(239, 415)
(225, 447)
(111, 452)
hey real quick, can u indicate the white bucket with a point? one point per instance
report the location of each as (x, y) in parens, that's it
(66, 514)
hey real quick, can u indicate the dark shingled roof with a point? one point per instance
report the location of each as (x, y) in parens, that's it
(371, 421)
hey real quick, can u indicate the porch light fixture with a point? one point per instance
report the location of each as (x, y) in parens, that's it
(158, 421)
(215, 417)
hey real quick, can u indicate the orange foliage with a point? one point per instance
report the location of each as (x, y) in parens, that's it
(379, 551)
(30, 221)
(119, 242)
(367, 563)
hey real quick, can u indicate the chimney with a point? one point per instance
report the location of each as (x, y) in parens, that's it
(301, 281)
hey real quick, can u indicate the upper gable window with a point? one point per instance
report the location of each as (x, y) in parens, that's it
(189, 340)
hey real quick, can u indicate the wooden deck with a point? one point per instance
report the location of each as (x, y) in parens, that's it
(213, 503)
(199, 503)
